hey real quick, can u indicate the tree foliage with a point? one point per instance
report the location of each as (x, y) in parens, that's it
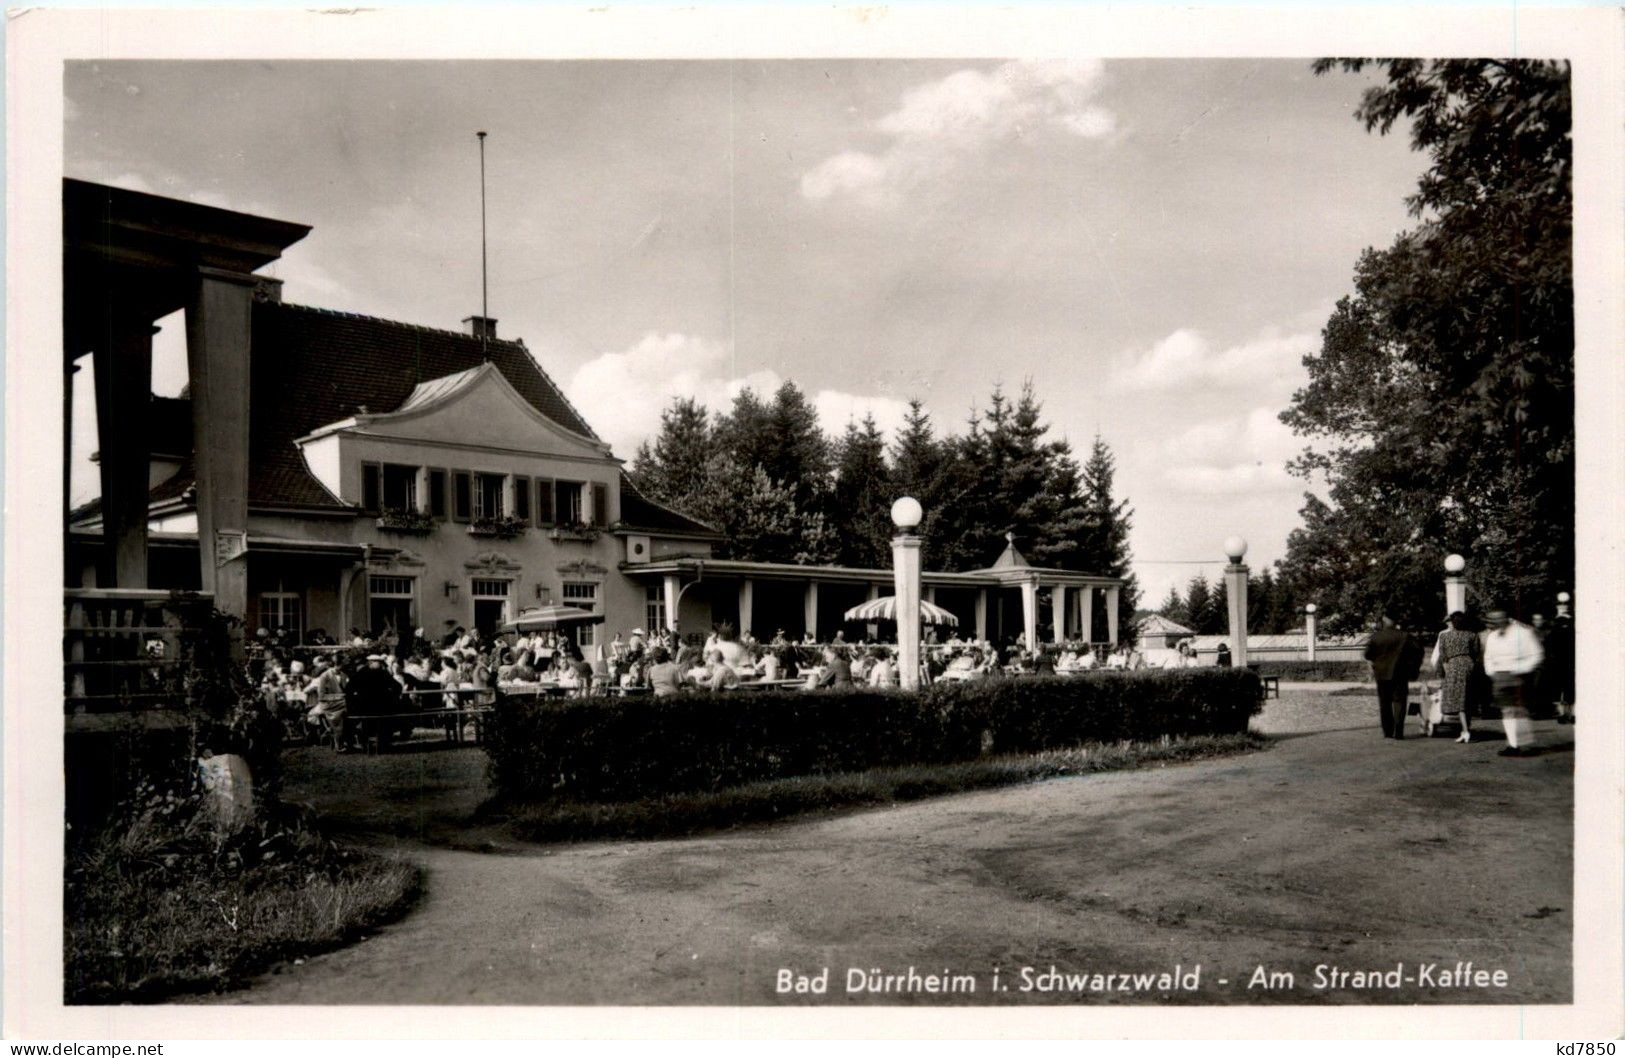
(767, 477)
(1440, 405)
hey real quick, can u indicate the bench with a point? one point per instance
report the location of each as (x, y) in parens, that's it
(1269, 687)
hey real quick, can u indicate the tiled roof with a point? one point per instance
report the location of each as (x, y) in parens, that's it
(314, 366)
(640, 512)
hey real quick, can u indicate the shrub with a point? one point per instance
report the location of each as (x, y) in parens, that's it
(1315, 671)
(609, 749)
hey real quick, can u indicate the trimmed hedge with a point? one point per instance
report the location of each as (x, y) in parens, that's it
(612, 749)
(1316, 671)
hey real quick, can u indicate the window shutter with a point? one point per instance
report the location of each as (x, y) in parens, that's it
(600, 504)
(544, 501)
(461, 495)
(370, 487)
(521, 498)
(437, 493)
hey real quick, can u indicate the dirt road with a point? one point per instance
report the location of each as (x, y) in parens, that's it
(1331, 849)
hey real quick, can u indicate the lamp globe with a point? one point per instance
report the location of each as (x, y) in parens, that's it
(906, 512)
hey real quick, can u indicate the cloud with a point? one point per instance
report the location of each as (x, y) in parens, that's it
(1186, 356)
(965, 114)
(1231, 456)
(622, 394)
(836, 409)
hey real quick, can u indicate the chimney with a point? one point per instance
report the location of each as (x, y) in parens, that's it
(481, 327)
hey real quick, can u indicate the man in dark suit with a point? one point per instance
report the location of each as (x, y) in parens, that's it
(1395, 661)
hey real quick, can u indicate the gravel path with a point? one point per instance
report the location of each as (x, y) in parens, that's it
(1334, 847)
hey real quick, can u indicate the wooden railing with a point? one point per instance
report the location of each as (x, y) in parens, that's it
(126, 649)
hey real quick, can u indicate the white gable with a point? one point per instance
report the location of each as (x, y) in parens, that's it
(477, 407)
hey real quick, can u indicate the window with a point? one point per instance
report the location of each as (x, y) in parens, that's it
(437, 493)
(488, 495)
(370, 487)
(461, 487)
(583, 595)
(600, 504)
(489, 589)
(567, 502)
(283, 609)
(400, 487)
(521, 499)
(654, 609)
(544, 501)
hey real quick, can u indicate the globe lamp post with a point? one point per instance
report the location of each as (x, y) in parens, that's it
(1235, 583)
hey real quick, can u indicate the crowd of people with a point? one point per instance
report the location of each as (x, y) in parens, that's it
(380, 685)
(1515, 667)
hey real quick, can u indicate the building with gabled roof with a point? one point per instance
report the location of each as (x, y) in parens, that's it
(346, 471)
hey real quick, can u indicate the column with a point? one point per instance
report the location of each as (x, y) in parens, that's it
(905, 553)
(809, 610)
(1112, 595)
(1455, 585)
(747, 597)
(670, 593)
(930, 594)
(1235, 582)
(1057, 607)
(981, 613)
(1309, 625)
(123, 366)
(1087, 631)
(1029, 613)
(219, 325)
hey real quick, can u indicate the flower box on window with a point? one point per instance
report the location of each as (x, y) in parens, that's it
(397, 520)
(503, 528)
(574, 531)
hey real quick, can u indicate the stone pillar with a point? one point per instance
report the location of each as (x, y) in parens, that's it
(1112, 595)
(1087, 625)
(1310, 625)
(219, 325)
(671, 591)
(1057, 609)
(905, 554)
(931, 594)
(981, 613)
(809, 609)
(1235, 583)
(1455, 585)
(123, 365)
(747, 598)
(1029, 613)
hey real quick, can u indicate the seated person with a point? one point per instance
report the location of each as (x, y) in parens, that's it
(882, 670)
(770, 667)
(719, 675)
(837, 670)
(664, 675)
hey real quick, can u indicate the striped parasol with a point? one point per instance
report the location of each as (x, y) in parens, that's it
(547, 618)
(885, 609)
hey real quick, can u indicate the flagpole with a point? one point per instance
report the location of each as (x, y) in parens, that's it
(485, 305)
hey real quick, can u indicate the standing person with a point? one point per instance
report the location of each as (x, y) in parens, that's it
(1395, 661)
(1457, 657)
(1559, 667)
(1511, 654)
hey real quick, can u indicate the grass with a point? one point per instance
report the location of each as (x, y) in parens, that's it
(156, 905)
(677, 815)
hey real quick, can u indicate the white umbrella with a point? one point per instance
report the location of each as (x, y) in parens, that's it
(545, 618)
(885, 609)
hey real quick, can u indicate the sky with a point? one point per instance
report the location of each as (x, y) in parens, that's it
(1153, 244)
